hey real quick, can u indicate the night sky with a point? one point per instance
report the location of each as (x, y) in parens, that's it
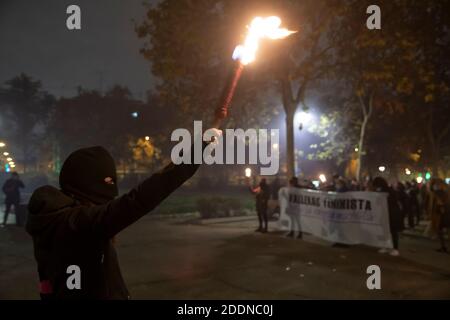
(34, 39)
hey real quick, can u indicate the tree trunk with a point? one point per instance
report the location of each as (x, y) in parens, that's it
(434, 141)
(290, 151)
(361, 147)
(435, 164)
(25, 156)
(367, 113)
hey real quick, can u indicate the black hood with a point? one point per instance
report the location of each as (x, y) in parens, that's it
(85, 175)
(44, 208)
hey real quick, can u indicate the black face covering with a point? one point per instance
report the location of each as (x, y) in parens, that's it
(90, 174)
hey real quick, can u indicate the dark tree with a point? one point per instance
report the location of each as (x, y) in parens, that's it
(28, 108)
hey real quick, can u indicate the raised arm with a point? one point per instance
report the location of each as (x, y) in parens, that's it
(109, 219)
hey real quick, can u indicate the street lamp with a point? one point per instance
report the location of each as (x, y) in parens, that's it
(302, 118)
(407, 171)
(6, 154)
(9, 159)
(419, 180)
(381, 168)
(2, 144)
(147, 138)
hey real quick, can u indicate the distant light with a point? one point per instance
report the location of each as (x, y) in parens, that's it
(13, 166)
(6, 154)
(302, 119)
(356, 149)
(2, 144)
(447, 180)
(275, 146)
(381, 168)
(147, 138)
(407, 171)
(9, 159)
(419, 179)
(11, 163)
(248, 172)
(7, 168)
(316, 183)
(428, 176)
(322, 178)
(135, 114)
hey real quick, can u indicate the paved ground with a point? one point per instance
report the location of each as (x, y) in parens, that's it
(225, 259)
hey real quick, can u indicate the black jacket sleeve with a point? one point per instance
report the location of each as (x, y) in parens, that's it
(109, 219)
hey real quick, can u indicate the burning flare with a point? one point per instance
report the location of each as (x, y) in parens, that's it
(259, 28)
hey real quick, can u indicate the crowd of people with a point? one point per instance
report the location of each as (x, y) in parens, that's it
(409, 203)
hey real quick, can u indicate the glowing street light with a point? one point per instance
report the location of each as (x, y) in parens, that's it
(356, 149)
(147, 138)
(381, 168)
(9, 159)
(6, 154)
(248, 172)
(419, 180)
(407, 171)
(2, 144)
(322, 178)
(11, 163)
(302, 119)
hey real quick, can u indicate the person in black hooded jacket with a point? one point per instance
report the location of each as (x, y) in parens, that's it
(395, 214)
(11, 189)
(76, 225)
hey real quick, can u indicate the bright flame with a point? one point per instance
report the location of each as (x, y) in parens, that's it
(259, 28)
(322, 178)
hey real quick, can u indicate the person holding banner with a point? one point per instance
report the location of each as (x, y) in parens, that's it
(395, 216)
(295, 218)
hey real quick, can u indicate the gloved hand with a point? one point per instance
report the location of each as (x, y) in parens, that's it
(215, 138)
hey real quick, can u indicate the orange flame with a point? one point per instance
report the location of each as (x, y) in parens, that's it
(259, 28)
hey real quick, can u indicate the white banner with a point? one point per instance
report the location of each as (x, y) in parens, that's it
(347, 217)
